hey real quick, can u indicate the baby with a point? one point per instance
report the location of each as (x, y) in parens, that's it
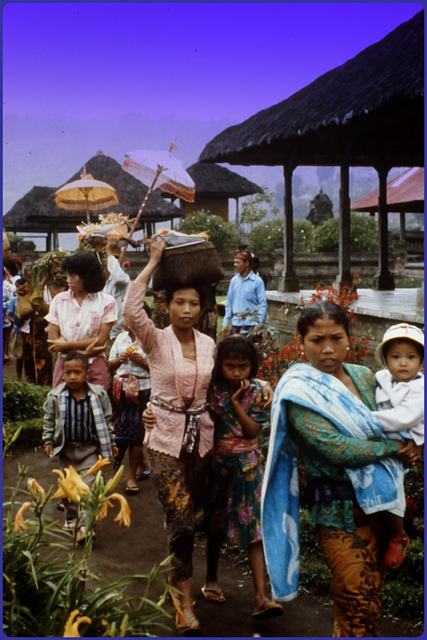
(400, 400)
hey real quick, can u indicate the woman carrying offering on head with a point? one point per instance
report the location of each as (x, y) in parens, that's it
(322, 413)
(181, 361)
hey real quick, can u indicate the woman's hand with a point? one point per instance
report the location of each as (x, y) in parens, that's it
(267, 395)
(156, 249)
(58, 345)
(149, 419)
(409, 452)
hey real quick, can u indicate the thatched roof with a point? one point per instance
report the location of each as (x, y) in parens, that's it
(213, 180)
(367, 110)
(405, 194)
(37, 211)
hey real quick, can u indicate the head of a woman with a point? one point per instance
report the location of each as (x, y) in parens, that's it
(84, 272)
(184, 306)
(236, 360)
(324, 330)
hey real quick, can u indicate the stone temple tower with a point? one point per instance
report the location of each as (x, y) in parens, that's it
(320, 209)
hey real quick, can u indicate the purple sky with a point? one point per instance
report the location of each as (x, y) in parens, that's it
(83, 77)
(204, 60)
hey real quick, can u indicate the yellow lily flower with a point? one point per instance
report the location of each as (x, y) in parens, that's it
(123, 517)
(103, 512)
(34, 486)
(113, 482)
(101, 462)
(19, 520)
(72, 625)
(71, 484)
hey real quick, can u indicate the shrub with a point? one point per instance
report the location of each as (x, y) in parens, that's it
(22, 400)
(268, 237)
(222, 234)
(363, 235)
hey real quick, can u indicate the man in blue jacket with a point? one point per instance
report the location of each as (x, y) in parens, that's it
(246, 304)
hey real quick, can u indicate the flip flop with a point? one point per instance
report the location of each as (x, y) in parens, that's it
(267, 610)
(144, 475)
(213, 594)
(131, 491)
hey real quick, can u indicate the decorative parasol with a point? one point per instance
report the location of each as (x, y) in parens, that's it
(86, 194)
(158, 169)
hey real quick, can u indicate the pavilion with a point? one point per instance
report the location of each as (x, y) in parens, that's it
(38, 213)
(367, 112)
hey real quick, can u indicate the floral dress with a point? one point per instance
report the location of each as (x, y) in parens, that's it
(233, 508)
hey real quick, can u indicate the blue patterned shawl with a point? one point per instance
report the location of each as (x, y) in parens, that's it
(377, 486)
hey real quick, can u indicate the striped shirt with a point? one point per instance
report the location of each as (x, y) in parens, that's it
(79, 422)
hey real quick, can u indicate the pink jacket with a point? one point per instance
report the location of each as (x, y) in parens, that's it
(168, 371)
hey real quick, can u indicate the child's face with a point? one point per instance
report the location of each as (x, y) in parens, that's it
(403, 361)
(74, 373)
(234, 370)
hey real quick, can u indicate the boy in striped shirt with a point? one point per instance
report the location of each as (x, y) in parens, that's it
(77, 427)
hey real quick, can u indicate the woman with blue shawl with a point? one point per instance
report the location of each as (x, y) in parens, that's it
(321, 416)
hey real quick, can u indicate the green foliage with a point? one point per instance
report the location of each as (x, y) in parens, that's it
(363, 235)
(268, 238)
(16, 243)
(254, 207)
(22, 400)
(30, 434)
(303, 236)
(222, 234)
(47, 585)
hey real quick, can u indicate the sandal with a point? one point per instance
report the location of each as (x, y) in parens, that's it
(144, 475)
(213, 594)
(395, 552)
(191, 628)
(267, 609)
(131, 491)
(187, 628)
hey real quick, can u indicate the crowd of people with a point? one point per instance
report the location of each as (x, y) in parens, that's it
(189, 410)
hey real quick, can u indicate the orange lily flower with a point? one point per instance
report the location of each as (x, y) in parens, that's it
(19, 520)
(72, 625)
(101, 462)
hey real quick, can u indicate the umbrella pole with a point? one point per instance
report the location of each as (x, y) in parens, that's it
(141, 209)
(87, 209)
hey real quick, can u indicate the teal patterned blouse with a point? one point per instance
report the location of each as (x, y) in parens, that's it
(324, 452)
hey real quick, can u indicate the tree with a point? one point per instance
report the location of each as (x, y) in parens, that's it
(223, 235)
(254, 207)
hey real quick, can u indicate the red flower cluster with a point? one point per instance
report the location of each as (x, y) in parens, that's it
(275, 358)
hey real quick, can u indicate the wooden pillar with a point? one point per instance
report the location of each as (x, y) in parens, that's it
(289, 280)
(237, 215)
(402, 226)
(55, 237)
(344, 276)
(49, 242)
(383, 279)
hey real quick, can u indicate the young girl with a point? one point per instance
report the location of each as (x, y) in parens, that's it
(233, 503)
(131, 389)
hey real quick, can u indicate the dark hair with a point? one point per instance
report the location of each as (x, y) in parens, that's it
(322, 309)
(386, 346)
(20, 281)
(169, 292)
(87, 266)
(75, 355)
(235, 347)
